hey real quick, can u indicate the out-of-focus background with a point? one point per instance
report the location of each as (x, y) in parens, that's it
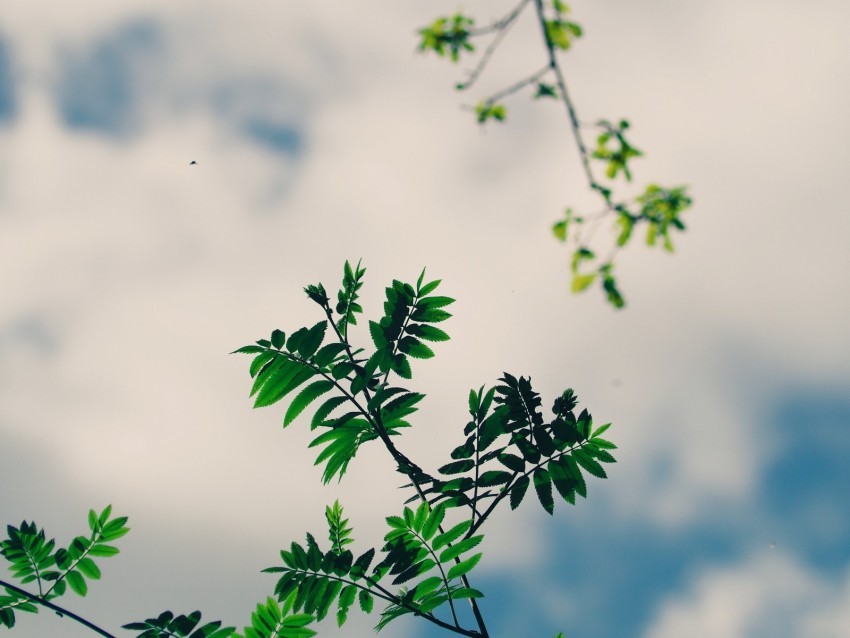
(127, 275)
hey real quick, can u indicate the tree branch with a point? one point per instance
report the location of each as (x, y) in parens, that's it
(60, 610)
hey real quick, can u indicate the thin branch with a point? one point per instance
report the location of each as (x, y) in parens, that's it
(501, 24)
(503, 27)
(60, 610)
(568, 103)
(531, 79)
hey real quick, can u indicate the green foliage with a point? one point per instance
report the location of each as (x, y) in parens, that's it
(35, 559)
(561, 33)
(272, 620)
(616, 158)
(447, 34)
(351, 376)
(167, 625)
(659, 208)
(431, 549)
(490, 111)
(510, 446)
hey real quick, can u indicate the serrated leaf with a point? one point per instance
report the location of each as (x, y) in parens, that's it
(312, 339)
(366, 601)
(588, 463)
(76, 582)
(278, 339)
(325, 409)
(326, 354)
(543, 487)
(451, 535)
(432, 524)
(600, 430)
(430, 315)
(457, 467)
(429, 287)
(304, 398)
(512, 462)
(460, 548)
(464, 567)
(518, 490)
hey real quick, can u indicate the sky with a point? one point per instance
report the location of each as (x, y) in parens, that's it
(320, 135)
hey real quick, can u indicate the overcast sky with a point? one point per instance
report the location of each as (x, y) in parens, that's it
(127, 275)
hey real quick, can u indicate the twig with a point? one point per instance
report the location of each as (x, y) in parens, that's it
(503, 27)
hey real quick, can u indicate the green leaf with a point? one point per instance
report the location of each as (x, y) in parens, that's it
(421, 515)
(426, 332)
(429, 287)
(313, 339)
(325, 409)
(588, 463)
(278, 339)
(464, 567)
(304, 398)
(543, 487)
(600, 430)
(457, 467)
(432, 524)
(378, 336)
(88, 568)
(427, 586)
(366, 601)
(451, 535)
(518, 490)
(249, 350)
(582, 282)
(512, 462)
(76, 582)
(284, 381)
(430, 315)
(259, 361)
(327, 354)
(415, 348)
(401, 366)
(460, 548)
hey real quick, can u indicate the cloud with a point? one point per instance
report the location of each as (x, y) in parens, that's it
(319, 137)
(770, 595)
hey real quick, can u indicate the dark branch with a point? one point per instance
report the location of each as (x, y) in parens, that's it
(60, 610)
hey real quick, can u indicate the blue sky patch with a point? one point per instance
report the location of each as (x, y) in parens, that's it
(267, 111)
(7, 85)
(278, 137)
(102, 85)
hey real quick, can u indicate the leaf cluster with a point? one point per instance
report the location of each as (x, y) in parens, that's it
(509, 446)
(361, 405)
(447, 35)
(35, 559)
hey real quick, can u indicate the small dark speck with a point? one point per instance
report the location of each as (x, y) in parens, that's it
(192, 163)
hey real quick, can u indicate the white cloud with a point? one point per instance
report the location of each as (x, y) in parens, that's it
(770, 594)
